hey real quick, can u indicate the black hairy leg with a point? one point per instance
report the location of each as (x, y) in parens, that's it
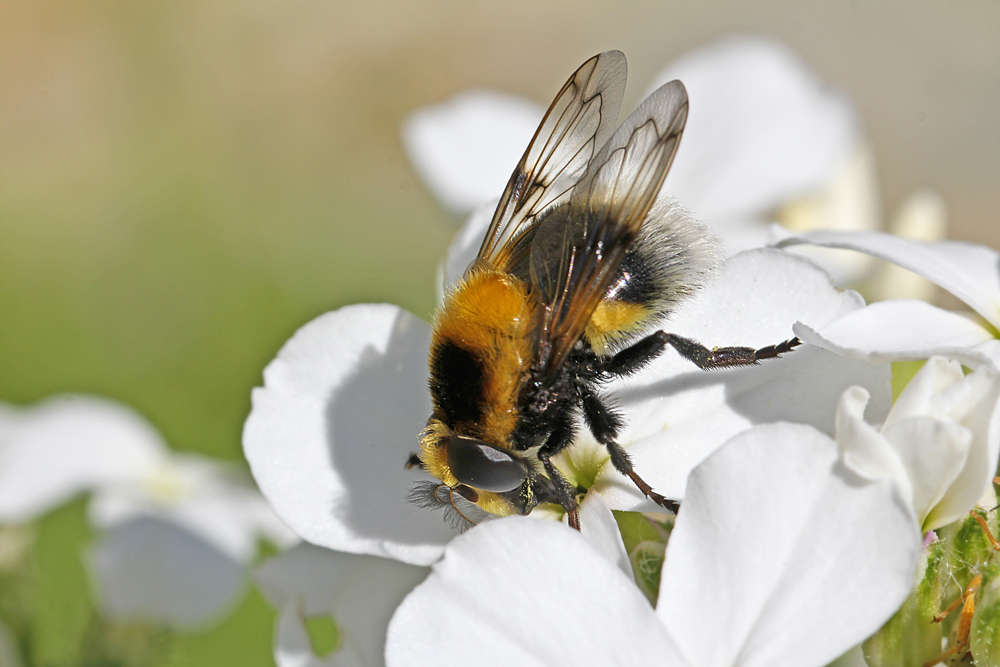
(724, 357)
(561, 436)
(605, 425)
(635, 356)
(413, 461)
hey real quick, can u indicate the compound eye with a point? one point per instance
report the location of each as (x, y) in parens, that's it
(482, 466)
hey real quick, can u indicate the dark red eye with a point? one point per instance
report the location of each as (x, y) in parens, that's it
(483, 466)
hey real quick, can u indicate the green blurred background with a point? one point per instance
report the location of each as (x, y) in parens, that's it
(183, 184)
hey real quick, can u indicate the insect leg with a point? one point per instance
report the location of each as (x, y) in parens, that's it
(605, 424)
(413, 461)
(723, 357)
(560, 437)
(637, 355)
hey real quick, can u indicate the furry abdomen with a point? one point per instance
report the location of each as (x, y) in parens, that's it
(672, 258)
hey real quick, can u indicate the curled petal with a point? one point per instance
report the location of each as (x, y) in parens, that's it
(934, 453)
(979, 398)
(865, 451)
(968, 270)
(900, 330)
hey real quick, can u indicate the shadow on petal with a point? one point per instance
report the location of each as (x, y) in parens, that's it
(803, 386)
(373, 420)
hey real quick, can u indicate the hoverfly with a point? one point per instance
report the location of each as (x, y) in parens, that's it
(582, 257)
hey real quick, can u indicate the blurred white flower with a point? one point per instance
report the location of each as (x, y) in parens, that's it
(465, 148)
(921, 217)
(904, 329)
(176, 530)
(358, 594)
(780, 556)
(939, 443)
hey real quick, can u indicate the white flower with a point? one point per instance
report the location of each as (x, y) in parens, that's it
(66, 446)
(177, 531)
(344, 402)
(780, 556)
(763, 131)
(909, 329)
(939, 443)
(358, 593)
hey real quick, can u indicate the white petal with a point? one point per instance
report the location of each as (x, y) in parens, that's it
(918, 397)
(68, 445)
(781, 556)
(979, 396)
(213, 519)
(152, 570)
(330, 432)
(292, 647)
(359, 592)
(762, 128)
(598, 525)
(209, 498)
(677, 414)
(934, 453)
(864, 450)
(466, 148)
(968, 270)
(524, 591)
(899, 330)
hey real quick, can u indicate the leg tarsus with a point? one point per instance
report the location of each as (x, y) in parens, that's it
(560, 437)
(726, 357)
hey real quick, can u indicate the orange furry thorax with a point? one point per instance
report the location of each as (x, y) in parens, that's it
(490, 314)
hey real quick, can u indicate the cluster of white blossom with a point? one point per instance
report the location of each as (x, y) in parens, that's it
(175, 533)
(807, 494)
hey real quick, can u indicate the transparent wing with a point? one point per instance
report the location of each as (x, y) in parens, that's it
(575, 257)
(578, 122)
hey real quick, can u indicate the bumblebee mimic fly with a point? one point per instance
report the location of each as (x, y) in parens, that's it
(581, 259)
